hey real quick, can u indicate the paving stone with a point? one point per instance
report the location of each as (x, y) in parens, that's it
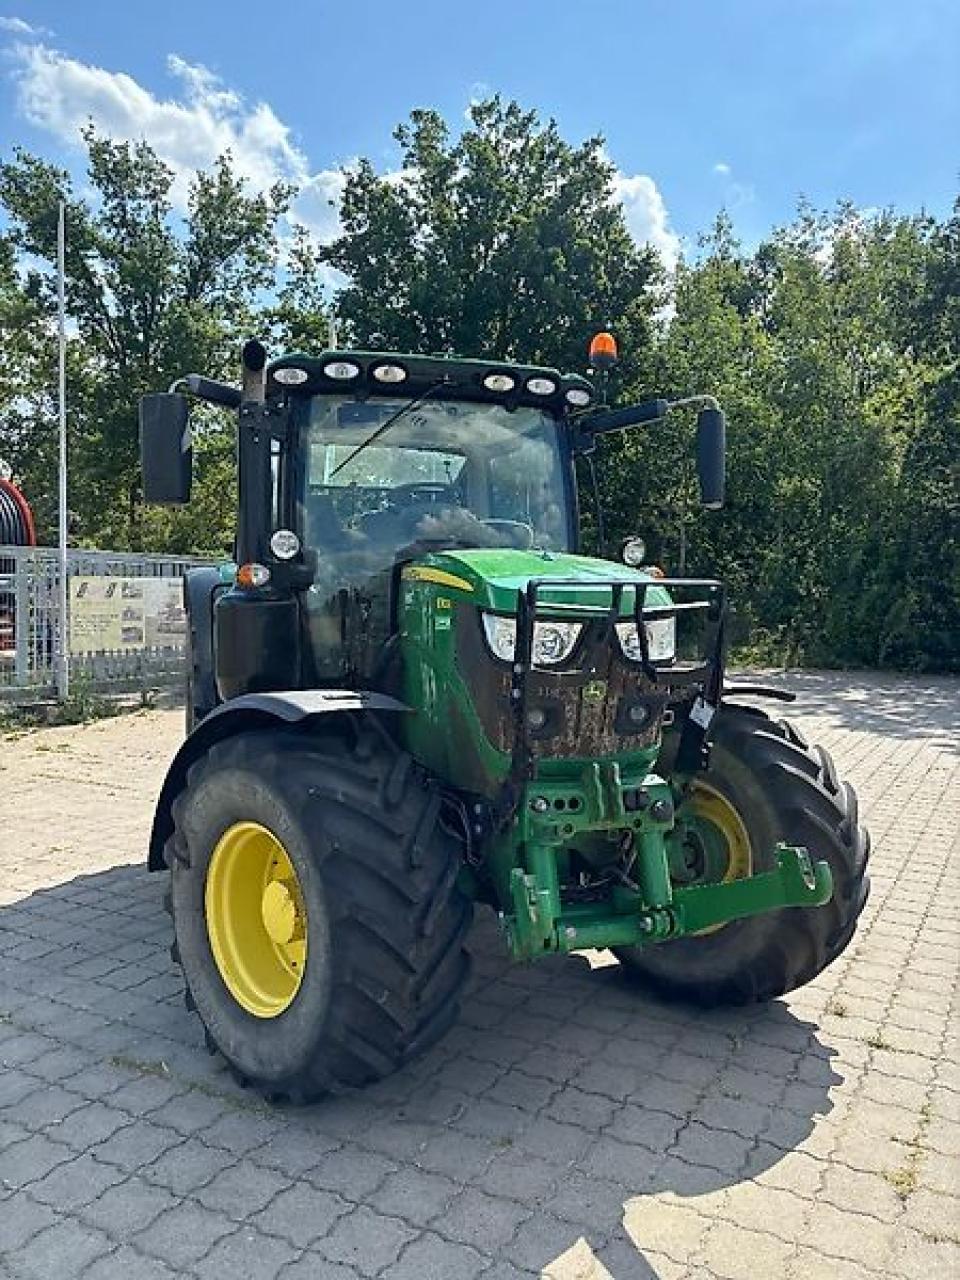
(126, 1264)
(246, 1253)
(586, 1110)
(366, 1240)
(481, 1220)
(655, 1130)
(861, 1239)
(352, 1173)
(718, 1148)
(30, 1160)
(519, 1176)
(517, 1089)
(767, 1209)
(241, 1190)
(457, 1155)
(539, 1241)
(628, 1164)
(240, 1132)
(736, 1254)
(185, 1168)
(46, 1105)
(21, 1218)
(593, 1202)
(135, 1146)
(484, 1118)
(184, 1234)
(559, 1143)
(313, 1267)
(189, 1112)
(127, 1207)
(62, 1251)
(90, 1124)
(808, 1264)
(917, 1257)
(414, 1195)
(674, 1229)
(301, 1214)
(432, 1258)
(579, 1262)
(933, 1215)
(73, 1185)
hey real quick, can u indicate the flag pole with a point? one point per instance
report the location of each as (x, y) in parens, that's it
(63, 650)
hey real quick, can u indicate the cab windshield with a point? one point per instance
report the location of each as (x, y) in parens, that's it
(445, 473)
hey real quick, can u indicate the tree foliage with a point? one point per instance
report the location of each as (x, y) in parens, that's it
(506, 240)
(148, 299)
(833, 346)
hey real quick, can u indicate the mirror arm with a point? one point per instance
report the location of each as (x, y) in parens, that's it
(694, 402)
(208, 389)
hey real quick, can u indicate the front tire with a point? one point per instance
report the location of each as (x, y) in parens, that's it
(374, 916)
(782, 790)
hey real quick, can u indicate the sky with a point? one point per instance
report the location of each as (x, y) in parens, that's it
(745, 105)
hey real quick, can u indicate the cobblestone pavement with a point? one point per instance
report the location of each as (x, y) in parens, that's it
(566, 1127)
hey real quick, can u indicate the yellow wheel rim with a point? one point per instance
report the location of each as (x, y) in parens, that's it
(722, 829)
(256, 920)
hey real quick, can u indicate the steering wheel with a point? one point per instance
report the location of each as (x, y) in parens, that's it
(406, 495)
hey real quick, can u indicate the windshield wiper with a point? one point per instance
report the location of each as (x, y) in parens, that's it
(385, 427)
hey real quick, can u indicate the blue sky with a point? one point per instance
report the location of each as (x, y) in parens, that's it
(705, 103)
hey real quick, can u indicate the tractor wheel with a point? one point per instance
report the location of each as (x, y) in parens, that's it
(317, 915)
(764, 785)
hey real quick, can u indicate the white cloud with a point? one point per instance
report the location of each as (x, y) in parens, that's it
(204, 118)
(736, 193)
(188, 131)
(646, 215)
(20, 27)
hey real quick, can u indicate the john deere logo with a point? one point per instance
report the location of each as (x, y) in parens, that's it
(595, 691)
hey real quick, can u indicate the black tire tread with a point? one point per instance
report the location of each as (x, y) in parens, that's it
(814, 809)
(398, 922)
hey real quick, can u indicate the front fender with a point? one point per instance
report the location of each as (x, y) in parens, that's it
(252, 711)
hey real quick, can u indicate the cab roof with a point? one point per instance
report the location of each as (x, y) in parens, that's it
(460, 378)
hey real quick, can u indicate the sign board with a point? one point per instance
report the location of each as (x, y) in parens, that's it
(124, 614)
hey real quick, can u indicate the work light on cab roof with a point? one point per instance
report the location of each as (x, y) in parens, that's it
(413, 693)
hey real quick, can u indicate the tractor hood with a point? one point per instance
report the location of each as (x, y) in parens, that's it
(491, 578)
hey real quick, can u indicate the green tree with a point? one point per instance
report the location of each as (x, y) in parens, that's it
(147, 299)
(506, 242)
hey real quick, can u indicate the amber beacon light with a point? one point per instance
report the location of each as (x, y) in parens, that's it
(603, 351)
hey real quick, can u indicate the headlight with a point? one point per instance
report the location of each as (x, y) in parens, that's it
(553, 642)
(661, 639)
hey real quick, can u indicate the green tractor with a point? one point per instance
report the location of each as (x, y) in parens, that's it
(412, 694)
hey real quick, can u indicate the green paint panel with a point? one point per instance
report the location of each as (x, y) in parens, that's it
(497, 575)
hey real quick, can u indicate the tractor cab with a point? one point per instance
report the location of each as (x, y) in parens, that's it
(354, 464)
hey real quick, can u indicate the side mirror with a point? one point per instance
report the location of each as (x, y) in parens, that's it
(165, 448)
(711, 456)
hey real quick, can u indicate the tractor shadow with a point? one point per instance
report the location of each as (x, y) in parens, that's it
(562, 1112)
(887, 703)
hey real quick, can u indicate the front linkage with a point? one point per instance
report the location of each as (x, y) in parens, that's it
(649, 909)
(546, 816)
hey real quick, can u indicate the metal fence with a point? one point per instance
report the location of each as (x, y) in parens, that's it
(126, 628)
